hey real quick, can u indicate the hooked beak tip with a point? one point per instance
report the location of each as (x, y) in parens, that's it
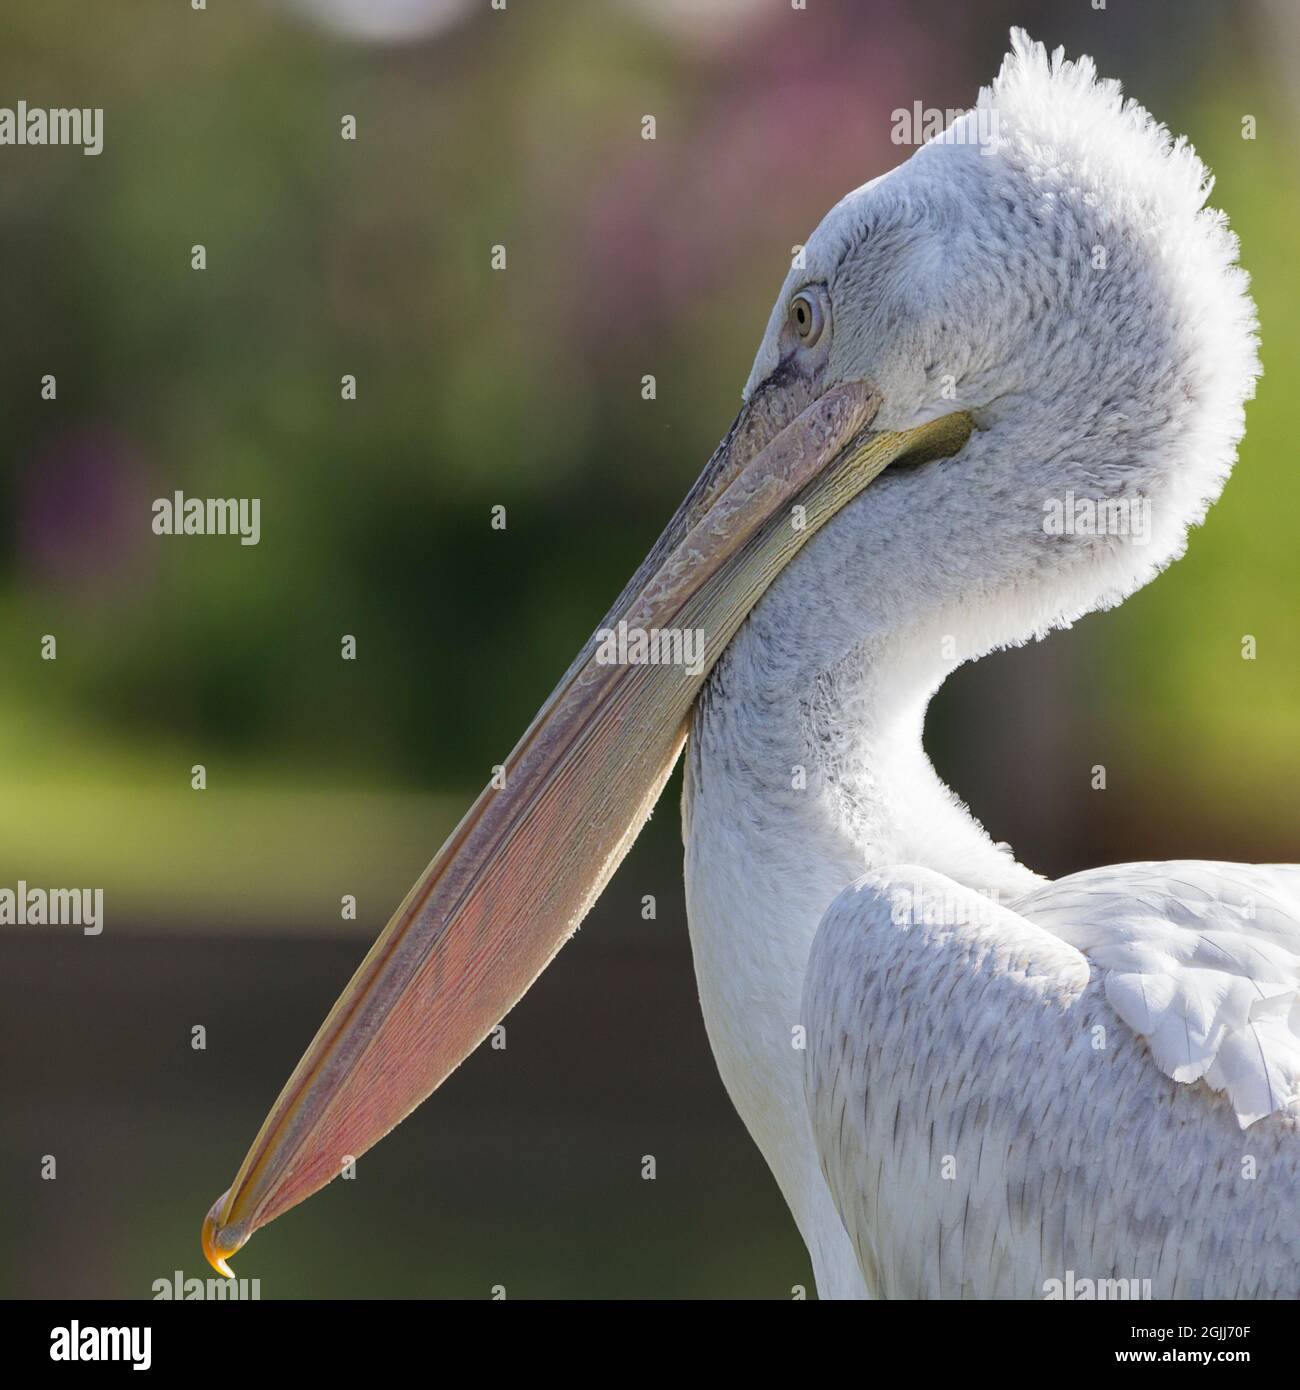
(214, 1249)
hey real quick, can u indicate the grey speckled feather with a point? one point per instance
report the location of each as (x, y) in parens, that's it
(1015, 1131)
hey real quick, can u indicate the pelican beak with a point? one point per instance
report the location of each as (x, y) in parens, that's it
(536, 849)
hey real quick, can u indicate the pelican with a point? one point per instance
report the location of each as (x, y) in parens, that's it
(967, 1080)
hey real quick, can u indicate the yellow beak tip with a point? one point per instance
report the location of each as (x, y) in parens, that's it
(215, 1252)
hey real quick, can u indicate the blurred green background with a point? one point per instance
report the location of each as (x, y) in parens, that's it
(479, 388)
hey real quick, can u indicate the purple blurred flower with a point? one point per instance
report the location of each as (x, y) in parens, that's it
(83, 511)
(787, 129)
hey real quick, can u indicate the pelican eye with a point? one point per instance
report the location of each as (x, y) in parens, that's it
(806, 318)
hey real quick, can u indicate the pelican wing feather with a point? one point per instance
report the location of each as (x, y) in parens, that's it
(1202, 960)
(992, 1092)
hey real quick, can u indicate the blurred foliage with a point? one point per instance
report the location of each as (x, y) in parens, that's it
(518, 388)
(1228, 725)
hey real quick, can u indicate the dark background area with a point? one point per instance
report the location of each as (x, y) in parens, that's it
(479, 388)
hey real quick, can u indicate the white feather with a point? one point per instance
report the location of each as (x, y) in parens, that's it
(860, 1054)
(1202, 960)
(989, 1130)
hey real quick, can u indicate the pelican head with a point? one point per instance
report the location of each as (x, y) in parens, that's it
(1031, 324)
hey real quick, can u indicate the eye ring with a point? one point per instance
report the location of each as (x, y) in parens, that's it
(806, 318)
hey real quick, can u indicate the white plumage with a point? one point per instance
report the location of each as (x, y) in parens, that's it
(990, 1129)
(1200, 959)
(968, 1081)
